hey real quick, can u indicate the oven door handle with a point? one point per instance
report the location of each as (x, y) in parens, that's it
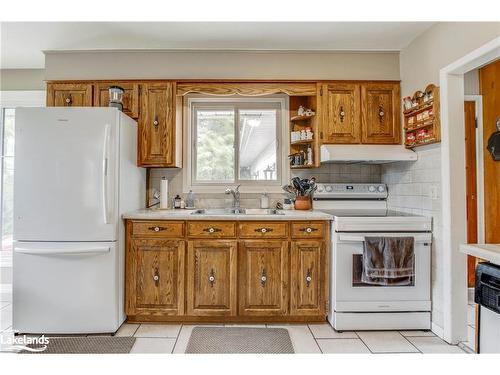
(419, 238)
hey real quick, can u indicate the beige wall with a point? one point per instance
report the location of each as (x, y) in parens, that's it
(439, 46)
(411, 186)
(223, 65)
(22, 79)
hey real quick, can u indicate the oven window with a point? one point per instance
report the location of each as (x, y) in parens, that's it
(357, 270)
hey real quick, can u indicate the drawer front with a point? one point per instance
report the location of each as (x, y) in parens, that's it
(211, 229)
(263, 230)
(158, 228)
(304, 229)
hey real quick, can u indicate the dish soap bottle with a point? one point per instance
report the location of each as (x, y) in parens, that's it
(177, 201)
(190, 199)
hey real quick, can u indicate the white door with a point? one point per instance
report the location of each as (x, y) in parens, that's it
(65, 287)
(64, 185)
(350, 294)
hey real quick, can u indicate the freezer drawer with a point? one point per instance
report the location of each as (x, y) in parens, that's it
(66, 287)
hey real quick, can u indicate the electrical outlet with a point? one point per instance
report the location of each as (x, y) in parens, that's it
(434, 192)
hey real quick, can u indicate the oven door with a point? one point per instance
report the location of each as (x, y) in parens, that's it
(349, 293)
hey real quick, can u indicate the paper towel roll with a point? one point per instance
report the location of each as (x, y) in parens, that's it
(164, 193)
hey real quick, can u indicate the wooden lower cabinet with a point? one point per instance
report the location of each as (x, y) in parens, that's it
(263, 275)
(155, 277)
(211, 277)
(175, 272)
(307, 277)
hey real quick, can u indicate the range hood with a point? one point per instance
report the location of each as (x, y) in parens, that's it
(374, 154)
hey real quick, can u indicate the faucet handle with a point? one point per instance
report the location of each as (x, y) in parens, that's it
(237, 189)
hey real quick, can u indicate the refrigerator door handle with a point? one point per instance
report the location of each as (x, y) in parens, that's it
(105, 158)
(88, 251)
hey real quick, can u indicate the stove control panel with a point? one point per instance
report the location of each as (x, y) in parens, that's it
(351, 191)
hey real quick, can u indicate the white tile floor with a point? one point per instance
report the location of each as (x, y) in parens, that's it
(312, 338)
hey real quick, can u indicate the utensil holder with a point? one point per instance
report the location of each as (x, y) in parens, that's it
(303, 203)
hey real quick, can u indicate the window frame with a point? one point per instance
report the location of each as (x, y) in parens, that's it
(192, 102)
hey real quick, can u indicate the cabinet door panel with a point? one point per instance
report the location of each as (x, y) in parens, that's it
(341, 117)
(157, 125)
(212, 278)
(380, 113)
(130, 98)
(263, 275)
(159, 276)
(307, 277)
(69, 95)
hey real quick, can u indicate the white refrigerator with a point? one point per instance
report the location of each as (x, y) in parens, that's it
(75, 174)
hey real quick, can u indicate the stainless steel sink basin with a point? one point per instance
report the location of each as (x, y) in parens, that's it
(237, 211)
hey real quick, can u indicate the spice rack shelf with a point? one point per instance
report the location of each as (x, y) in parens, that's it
(303, 142)
(305, 166)
(301, 118)
(422, 121)
(302, 145)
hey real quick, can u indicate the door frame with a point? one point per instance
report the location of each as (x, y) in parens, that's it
(451, 80)
(478, 104)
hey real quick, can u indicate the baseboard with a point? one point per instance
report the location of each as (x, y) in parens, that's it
(437, 330)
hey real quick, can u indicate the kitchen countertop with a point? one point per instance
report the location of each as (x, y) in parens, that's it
(489, 252)
(181, 214)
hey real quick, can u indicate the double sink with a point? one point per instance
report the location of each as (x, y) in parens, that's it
(237, 211)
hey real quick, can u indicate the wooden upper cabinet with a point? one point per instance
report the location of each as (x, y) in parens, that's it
(211, 278)
(156, 146)
(341, 113)
(263, 277)
(380, 113)
(156, 277)
(307, 278)
(69, 95)
(130, 96)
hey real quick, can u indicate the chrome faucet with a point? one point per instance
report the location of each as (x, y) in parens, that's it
(236, 196)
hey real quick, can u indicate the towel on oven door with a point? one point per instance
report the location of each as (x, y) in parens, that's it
(388, 260)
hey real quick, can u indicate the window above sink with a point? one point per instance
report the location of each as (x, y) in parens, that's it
(235, 141)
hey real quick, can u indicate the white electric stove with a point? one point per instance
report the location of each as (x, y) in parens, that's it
(359, 211)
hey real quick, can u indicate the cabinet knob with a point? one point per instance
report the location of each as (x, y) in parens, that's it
(156, 277)
(68, 100)
(308, 229)
(263, 277)
(308, 277)
(156, 122)
(263, 230)
(381, 112)
(341, 114)
(211, 278)
(156, 229)
(211, 230)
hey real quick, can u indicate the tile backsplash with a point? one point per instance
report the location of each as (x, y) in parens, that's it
(325, 173)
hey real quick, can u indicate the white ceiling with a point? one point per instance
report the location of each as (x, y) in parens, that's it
(22, 43)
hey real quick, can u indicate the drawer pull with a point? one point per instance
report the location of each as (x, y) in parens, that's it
(308, 230)
(211, 278)
(157, 229)
(212, 230)
(263, 230)
(263, 277)
(308, 277)
(156, 277)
